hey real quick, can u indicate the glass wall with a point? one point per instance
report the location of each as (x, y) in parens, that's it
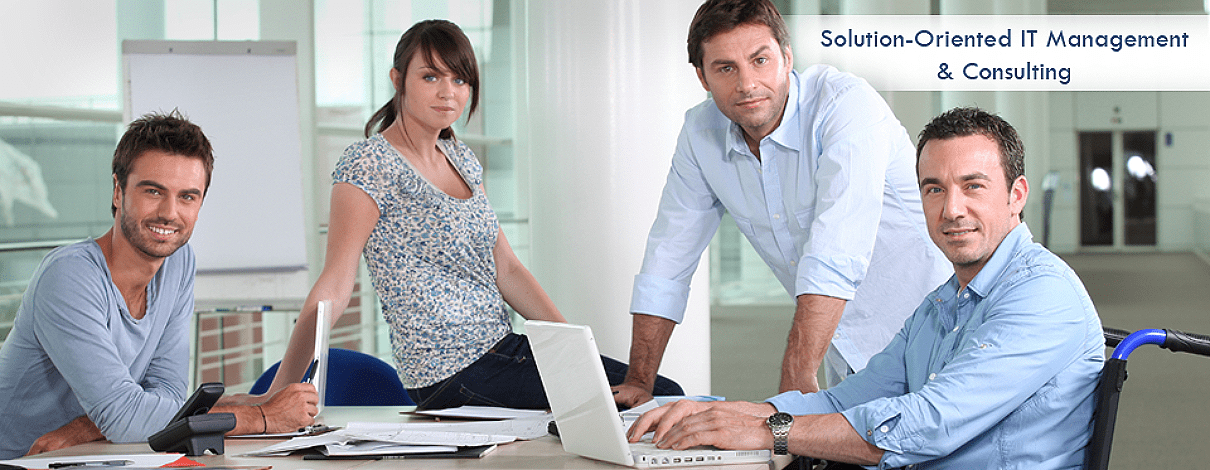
(60, 118)
(53, 171)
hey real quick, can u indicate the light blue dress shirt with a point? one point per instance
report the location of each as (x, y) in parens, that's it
(998, 375)
(832, 207)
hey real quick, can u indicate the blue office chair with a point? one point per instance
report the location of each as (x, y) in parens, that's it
(354, 379)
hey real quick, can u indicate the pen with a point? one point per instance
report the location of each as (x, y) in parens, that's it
(311, 371)
(316, 429)
(246, 308)
(91, 463)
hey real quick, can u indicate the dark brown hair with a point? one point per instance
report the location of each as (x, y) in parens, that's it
(169, 133)
(439, 39)
(962, 122)
(720, 16)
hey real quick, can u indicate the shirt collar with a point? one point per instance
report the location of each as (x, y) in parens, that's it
(788, 133)
(991, 273)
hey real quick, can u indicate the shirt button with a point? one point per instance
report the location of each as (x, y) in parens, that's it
(983, 346)
(869, 432)
(955, 329)
(932, 376)
(776, 216)
(884, 429)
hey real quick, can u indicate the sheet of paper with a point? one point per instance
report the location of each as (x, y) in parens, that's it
(522, 428)
(382, 448)
(481, 412)
(301, 442)
(429, 437)
(136, 460)
(388, 433)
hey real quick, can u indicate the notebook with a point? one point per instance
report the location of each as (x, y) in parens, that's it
(588, 420)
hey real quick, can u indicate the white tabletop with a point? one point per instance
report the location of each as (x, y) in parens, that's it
(543, 453)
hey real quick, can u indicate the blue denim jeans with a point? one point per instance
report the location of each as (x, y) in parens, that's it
(506, 376)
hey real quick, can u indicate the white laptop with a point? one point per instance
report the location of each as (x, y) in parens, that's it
(319, 364)
(587, 418)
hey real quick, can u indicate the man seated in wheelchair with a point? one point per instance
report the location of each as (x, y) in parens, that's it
(995, 369)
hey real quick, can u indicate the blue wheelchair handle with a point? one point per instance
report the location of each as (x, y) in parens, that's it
(1173, 340)
(1136, 339)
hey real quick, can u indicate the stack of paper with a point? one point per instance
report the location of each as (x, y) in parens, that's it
(381, 439)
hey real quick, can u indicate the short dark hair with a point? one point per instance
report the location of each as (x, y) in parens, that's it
(962, 122)
(169, 133)
(720, 16)
(434, 39)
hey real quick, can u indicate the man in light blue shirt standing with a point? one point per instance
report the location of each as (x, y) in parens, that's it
(817, 173)
(996, 368)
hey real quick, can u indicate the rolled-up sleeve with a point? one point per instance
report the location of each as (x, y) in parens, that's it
(654, 295)
(689, 214)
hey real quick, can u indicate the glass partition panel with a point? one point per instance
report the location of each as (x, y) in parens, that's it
(1139, 187)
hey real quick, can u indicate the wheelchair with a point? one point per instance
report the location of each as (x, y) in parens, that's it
(1109, 390)
(1113, 376)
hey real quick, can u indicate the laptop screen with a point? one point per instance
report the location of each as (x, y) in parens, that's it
(319, 366)
(578, 391)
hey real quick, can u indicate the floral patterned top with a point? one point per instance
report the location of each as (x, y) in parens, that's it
(431, 259)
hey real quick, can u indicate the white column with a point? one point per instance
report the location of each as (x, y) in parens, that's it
(601, 93)
(292, 20)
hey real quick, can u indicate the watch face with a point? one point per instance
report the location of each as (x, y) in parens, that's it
(780, 419)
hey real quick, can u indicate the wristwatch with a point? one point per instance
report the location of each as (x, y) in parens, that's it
(780, 424)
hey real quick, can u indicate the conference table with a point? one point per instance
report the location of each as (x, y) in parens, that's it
(542, 453)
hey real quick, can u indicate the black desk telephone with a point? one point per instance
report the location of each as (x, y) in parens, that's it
(193, 430)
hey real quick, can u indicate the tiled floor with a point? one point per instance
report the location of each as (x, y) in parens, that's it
(1164, 403)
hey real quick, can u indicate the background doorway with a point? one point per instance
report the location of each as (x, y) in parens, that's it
(1117, 189)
